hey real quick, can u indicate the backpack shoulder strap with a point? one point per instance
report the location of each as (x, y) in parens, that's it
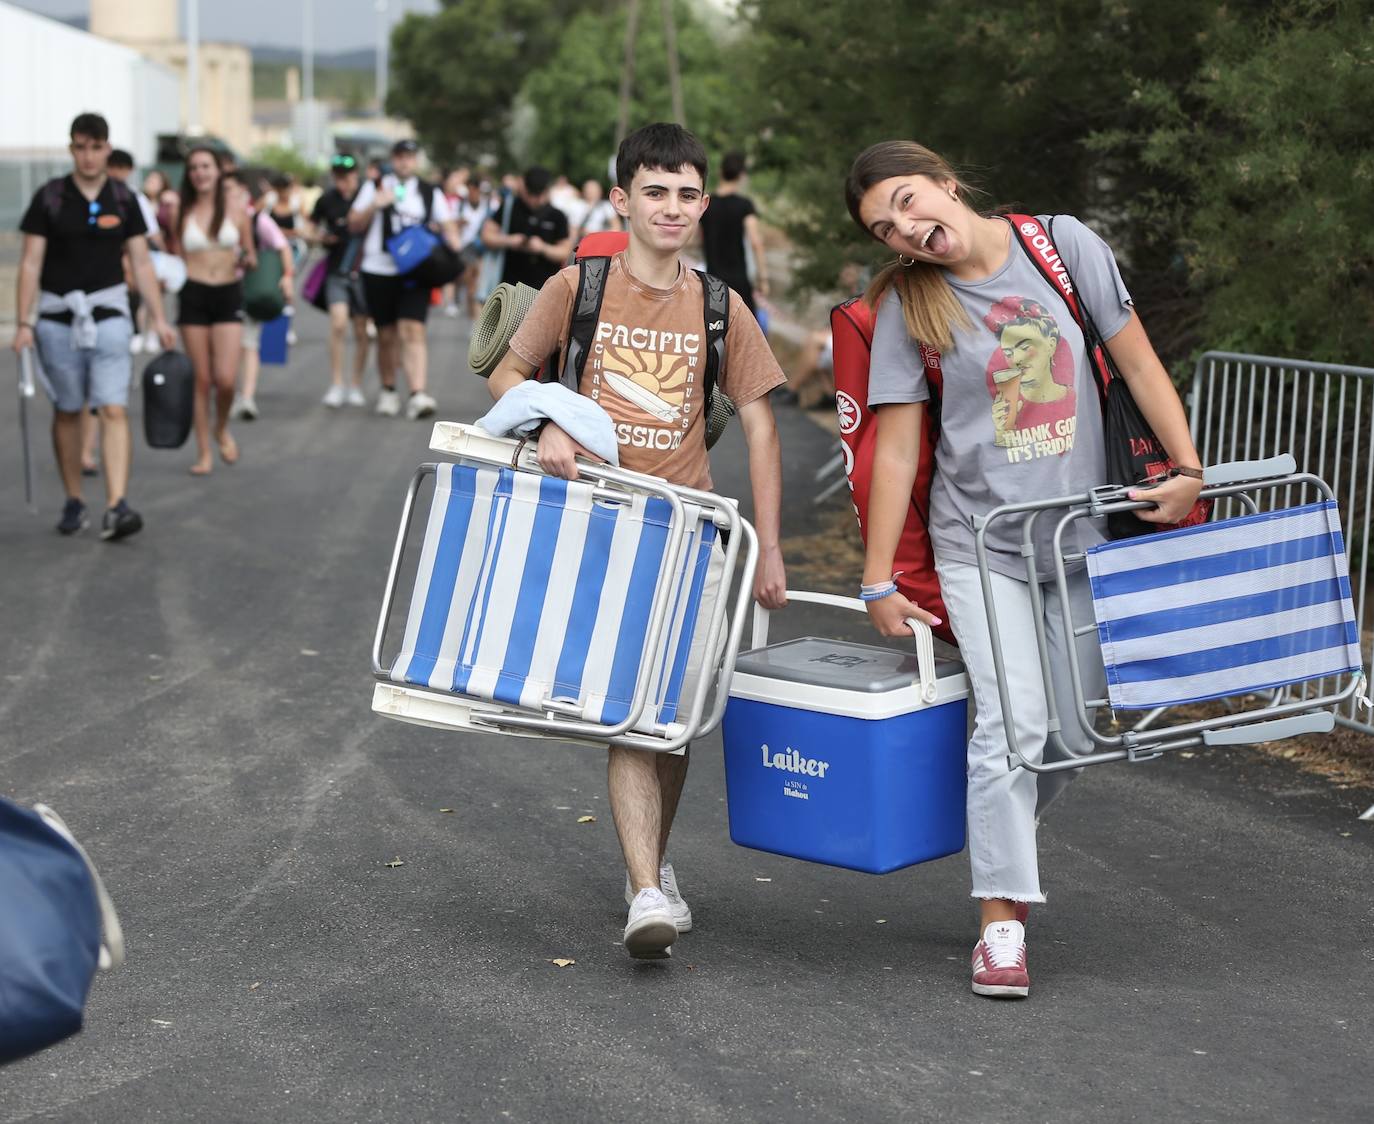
(716, 312)
(935, 380)
(1037, 242)
(586, 311)
(427, 190)
(52, 197)
(123, 197)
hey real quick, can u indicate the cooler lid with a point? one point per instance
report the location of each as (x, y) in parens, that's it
(840, 664)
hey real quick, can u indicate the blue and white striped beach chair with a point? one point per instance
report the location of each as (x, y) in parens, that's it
(557, 608)
(1256, 605)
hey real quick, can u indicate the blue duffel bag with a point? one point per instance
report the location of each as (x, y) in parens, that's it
(53, 912)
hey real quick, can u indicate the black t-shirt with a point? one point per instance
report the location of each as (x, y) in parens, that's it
(331, 216)
(85, 239)
(722, 237)
(546, 222)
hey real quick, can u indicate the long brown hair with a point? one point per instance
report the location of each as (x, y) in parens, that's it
(188, 196)
(929, 306)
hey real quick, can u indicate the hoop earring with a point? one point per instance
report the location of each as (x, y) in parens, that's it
(904, 262)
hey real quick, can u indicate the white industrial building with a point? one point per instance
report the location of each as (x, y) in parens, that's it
(50, 72)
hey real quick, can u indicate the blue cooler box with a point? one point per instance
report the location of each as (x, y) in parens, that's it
(832, 756)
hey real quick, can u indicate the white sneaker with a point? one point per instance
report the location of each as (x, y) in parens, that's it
(421, 405)
(248, 409)
(355, 396)
(236, 408)
(667, 880)
(291, 337)
(135, 344)
(334, 397)
(388, 403)
(650, 932)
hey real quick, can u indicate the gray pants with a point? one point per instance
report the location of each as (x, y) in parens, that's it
(1002, 802)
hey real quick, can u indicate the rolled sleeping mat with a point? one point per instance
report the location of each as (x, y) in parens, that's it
(499, 319)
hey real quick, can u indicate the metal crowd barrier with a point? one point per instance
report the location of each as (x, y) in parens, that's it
(1251, 407)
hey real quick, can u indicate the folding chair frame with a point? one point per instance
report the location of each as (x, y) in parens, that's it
(1143, 742)
(554, 719)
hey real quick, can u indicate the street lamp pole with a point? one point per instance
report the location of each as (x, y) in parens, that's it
(308, 75)
(383, 46)
(193, 67)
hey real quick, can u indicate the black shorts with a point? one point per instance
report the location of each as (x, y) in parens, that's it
(394, 298)
(202, 305)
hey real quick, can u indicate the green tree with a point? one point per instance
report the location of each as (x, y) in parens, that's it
(1272, 140)
(1036, 102)
(456, 74)
(575, 94)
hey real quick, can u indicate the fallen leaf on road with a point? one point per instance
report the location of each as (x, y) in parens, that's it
(161, 1022)
(881, 921)
(1185, 754)
(586, 819)
(561, 963)
(395, 862)
(255, 986)
(445, 809)
(154, 678)
(763, 880)
(309, 652)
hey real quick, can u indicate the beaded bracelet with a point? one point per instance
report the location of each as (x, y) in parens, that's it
(877, 593)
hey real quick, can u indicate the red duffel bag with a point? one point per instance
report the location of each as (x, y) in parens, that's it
(851, 324)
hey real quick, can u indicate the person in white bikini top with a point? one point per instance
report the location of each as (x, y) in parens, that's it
(193, 239)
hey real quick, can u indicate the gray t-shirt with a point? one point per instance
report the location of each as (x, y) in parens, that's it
(1020, 416)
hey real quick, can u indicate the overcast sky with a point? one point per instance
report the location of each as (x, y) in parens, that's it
(340, 25)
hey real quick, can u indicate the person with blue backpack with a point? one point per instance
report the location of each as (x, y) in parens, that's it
(979, 319)
(398, 299)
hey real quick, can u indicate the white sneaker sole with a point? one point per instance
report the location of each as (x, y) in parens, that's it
(1001, 991)
(651, 937)
(682, 918)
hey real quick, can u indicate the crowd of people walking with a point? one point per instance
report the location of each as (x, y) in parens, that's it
(227, 248)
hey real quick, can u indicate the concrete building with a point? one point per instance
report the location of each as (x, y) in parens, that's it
(225, 83)
(50, 72)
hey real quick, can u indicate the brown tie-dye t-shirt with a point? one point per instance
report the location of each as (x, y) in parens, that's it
(647, 364)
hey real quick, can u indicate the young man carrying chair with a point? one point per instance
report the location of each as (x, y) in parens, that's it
(646, 370)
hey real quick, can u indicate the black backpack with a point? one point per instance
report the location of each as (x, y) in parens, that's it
(124, 200)
(586, 311)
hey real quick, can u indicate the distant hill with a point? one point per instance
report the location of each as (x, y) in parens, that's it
(362, 59)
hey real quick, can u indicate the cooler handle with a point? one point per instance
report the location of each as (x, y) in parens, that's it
(925, 640)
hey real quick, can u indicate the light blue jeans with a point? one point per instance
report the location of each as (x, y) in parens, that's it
(1003, 803)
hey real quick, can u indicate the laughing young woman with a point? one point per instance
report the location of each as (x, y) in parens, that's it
(1013, 358)
(213, 232)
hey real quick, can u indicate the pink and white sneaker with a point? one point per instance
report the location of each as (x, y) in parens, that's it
(999, 962)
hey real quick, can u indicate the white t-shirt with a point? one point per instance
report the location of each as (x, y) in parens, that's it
(599, 217)
(410, 210)
(149, 214)
(471, 216)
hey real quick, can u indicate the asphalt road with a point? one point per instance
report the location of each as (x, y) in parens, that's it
(196, 703)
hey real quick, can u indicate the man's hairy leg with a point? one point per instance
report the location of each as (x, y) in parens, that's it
(672, 775)
(637, 807)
